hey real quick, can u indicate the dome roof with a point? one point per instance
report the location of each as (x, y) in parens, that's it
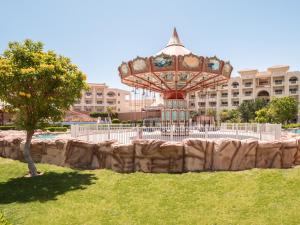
(174, 46)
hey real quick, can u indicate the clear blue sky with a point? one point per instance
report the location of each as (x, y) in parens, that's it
(99, 35)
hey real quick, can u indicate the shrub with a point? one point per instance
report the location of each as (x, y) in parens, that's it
(56, 129)
(291, 125)
(7, 127)
(98, 114)
(115, 121)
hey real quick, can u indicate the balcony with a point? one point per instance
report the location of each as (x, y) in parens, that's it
(201, 104)
(224, 104)
(88, 95)
(224, 95)
(212, 104)
(248, 94)
(278, 82)
(235, 103)
(293, 91)
(278, 92)
(111, 102)
(248, 85)
(99, 95)
(235, 94)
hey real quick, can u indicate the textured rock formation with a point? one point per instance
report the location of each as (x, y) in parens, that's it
(102, 158)
(297, 155)
(55, 152)
(224, 152)
(244, 157)
(198, 154)
(79, 154)
(268, 155)
(123, 158)
(289, 149)
(158, 156)
(10, 148)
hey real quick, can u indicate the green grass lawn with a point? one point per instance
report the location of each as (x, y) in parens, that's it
(65, 196)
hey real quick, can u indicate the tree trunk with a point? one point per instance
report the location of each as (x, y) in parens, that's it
(27, 155)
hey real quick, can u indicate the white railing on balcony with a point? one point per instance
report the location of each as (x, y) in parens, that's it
(126, 133)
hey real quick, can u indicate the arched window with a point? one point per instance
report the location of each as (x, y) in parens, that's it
(111, 94)
(293, 80)
(235, 84)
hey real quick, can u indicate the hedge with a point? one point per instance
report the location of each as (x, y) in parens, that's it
(56, 129)
(7, 127)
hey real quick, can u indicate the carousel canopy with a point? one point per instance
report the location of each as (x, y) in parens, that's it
(175, 71)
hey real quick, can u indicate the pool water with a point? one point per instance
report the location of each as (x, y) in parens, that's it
(296, 131)
(45, 136)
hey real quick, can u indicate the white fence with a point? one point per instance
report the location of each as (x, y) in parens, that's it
(127, 133)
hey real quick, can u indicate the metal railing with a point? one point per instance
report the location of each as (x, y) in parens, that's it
(126, 133)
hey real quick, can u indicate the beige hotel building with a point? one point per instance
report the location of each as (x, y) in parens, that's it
(100, 96)
(277, 81)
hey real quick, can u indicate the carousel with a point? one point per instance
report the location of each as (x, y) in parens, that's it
(174, 72)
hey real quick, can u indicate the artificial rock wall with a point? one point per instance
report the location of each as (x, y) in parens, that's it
(157, 156)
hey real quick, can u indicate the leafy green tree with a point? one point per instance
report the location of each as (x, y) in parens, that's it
(283, 109)
(248, 108)
(232, 116)
(263, 115)
(39, 85)
(224, 115)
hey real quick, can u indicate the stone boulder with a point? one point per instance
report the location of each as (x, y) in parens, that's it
(224, 152)
(79, 154)
(197, 154)
(102, 158)
(10, 148)
(55, 152)
(158, 156)
(123, 158)
(297, 155)
(37, 149)
(268, 154)
(289, 150)
(245, 155)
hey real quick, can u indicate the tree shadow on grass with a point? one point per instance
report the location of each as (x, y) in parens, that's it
(43, 188)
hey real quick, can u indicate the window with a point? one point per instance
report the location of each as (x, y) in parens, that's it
(248, 93)
(88, 102)
(235, 85)
(118, 102)
(111, 94)
(118, 94)
(212, 104)
(235, 94)
(248, 84)
(88, 93)
(235, 103)
(293, 90)
(278, 81)
(278, 91)
(99, 102)
(224, 95)
(293, 80)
